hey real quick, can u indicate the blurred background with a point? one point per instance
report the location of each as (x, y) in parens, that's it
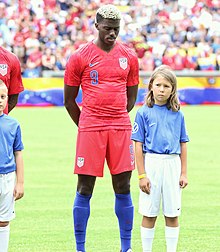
(184, 34)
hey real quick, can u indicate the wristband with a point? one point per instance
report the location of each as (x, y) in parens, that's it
(142, 176)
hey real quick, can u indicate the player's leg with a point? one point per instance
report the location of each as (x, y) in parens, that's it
(81, 209)
(171, 233)
(149, 204)
(90, 157)
(120, 159)
(124, 209)
(4, 236)
(7, 211)
(171, 200)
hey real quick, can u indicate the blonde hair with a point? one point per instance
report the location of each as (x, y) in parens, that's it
(167, 73)
(2, 84)
(108, 11)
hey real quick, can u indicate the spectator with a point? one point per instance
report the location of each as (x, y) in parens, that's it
(155, 25)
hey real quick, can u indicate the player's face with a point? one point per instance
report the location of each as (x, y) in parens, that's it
(3, 98)
(108, 31)
(162, 90)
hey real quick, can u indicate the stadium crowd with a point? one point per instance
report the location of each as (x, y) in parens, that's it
(184, 34)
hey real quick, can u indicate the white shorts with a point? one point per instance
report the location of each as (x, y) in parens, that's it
(163, 172)
(7, 202)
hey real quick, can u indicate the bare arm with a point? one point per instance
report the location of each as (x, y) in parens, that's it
(183, 157)
(19, 186)
(131, 97)
(144, 183)
(12, 101)
(70, 94)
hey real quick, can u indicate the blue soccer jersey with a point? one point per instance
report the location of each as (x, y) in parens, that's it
(159, 129)
(10, 142)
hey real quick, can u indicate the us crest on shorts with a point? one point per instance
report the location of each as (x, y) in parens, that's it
(3, 69)
(80, 161)
(123, 62)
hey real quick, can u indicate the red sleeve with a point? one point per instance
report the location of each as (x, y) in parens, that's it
(73, 72)
(133, 76)
(16, 85)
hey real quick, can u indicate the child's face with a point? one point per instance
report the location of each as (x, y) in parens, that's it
(162, 90)
(3, 98)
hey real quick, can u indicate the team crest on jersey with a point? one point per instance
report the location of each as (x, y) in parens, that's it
(123, 62)
(3, 69)
(80, 161)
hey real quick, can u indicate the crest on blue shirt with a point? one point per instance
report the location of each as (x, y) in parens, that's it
(123, 62)
(135, 128)
(3, 69)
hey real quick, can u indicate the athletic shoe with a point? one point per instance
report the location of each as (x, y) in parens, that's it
(127, 250)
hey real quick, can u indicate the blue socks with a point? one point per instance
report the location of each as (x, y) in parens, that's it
(125, 212)
(123, 209)
(81, 212)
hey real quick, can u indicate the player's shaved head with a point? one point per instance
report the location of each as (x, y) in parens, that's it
(108, 11)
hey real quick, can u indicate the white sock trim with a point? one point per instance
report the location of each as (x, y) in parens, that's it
(147, 236)
(172, 236)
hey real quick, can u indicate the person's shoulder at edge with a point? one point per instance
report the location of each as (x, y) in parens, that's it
(9, 118)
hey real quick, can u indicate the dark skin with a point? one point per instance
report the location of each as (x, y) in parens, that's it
(108, 30)
(12, 102)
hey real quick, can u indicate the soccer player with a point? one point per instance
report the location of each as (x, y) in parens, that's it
(160, 137)
(10, 74)
(11, 168)
(108, 74)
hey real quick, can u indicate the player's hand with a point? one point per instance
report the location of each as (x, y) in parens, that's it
(145, 185)
(183, 181)
(18, 191)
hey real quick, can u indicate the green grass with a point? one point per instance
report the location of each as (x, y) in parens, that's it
(43, 220)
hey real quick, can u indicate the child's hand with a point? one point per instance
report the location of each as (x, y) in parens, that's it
(183, 181)
(18, 191)
(144, 185)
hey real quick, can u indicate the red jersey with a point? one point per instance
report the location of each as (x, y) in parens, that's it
(10, 72)
(104, 78)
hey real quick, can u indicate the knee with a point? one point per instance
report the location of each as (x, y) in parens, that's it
(85, 185)
(4, 223)
(84, 190)
(122, 187)
(171, 221)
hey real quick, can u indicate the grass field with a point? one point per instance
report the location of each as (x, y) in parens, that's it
(44, 216)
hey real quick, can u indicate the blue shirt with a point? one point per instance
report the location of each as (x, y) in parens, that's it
(159, 129)
(10, 142)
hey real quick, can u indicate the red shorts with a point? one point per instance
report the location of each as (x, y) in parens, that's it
(94, 147)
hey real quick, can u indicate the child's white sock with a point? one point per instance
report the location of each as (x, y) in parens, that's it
(147, 236)
(4, 238)
(172, 235)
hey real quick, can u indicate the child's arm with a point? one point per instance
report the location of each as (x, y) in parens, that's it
(144, 182)
(183, 157)
(19, 185)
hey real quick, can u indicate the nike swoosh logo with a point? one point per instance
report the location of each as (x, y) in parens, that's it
(152, 124)
(93, 64)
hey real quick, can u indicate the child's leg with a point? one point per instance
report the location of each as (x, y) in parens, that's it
(4, 236)
(147, 233)
(171, 233)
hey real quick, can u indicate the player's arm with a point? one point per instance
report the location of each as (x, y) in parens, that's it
(70, 94)
(12, 101)
(183, 157)
(131, 96)
(19, 186)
